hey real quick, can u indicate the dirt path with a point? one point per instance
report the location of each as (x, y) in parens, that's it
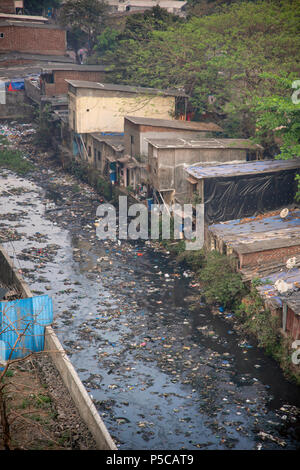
(41, 414)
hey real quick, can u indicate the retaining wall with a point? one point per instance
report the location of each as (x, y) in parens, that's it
(84, 404)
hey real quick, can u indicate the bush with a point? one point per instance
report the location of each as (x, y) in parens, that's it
(193, 259)
(104, 188)
(260, 322)
(12, 159)
(43, 137)
(220, 281)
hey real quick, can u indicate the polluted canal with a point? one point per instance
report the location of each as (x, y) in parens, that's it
(164, 371)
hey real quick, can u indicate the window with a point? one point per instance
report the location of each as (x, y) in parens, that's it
(99, 155)
(89, 151)
(2, 35)
(131, 139)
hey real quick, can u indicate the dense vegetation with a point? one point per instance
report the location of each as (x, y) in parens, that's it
(238, 65)
(13, 159)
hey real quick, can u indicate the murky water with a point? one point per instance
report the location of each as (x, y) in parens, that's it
(164, 371)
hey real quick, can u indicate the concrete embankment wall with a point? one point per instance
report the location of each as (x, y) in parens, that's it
(16, 106)
(86, 408)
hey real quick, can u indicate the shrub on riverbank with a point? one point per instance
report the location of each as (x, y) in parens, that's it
(221, 283)
(257, 320)
(12, 159)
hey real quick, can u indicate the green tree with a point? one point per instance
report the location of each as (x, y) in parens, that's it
(107, 41)
(220, 59)
(85, 15)
(140, 25)
(278, 119)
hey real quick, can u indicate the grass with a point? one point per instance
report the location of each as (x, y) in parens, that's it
(12, 159)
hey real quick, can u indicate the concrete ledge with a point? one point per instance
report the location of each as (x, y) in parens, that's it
(81, 398)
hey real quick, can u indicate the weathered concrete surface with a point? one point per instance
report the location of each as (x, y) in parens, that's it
(77, 391)
(16, 106)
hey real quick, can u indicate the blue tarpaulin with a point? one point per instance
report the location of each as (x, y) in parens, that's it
(27, 317)
(15, 84)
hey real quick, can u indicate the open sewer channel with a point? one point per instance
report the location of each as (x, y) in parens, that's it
(164, 371)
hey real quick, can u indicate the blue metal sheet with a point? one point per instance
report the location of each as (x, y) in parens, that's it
(244, 168)
(28, 317)
(254, 224)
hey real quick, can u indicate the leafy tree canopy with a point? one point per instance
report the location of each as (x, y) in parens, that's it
(221, 59)
(86, 15)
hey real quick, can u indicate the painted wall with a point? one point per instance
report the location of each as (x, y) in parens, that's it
(104, 111)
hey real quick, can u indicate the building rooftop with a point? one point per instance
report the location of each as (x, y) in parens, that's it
(149, 3)
(27, 24)
(243, 168)
(176, 124)
(124, 88)
(52, 60)
(31, 18)
(270, 293)
(113, 139)
(260, 232)
(76, 67)
(205, 143)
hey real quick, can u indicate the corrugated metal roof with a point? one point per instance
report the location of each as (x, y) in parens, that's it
(176, 124)
(243, 168)
(27, 317)
(260, 232)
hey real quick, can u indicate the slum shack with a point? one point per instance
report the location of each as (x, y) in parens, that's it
(32, 37)
(53, 78)
(261, 244)
(139, 129)
(168, 158)
(101, 107)
(136, 6)
(281, 294)
(238, 190)
(102, 152)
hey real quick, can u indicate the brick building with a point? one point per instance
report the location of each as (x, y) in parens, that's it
(53, 79)
(30, 37)
(261, 244)
(11, 6)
